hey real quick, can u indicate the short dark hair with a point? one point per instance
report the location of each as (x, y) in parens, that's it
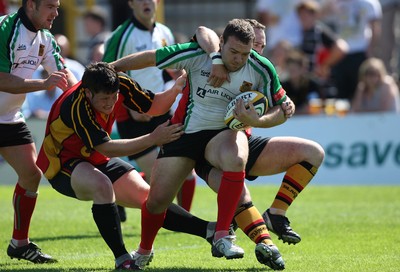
(100, 77)
(24, 2)
(241, 29)
(255, 24)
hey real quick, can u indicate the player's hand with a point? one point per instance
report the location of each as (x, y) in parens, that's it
(56, 79)
(180, 82)
(288, 107)
(166, 133)
(218, 75)
(246, 113)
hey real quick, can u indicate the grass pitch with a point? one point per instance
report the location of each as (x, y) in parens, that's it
(343, 228)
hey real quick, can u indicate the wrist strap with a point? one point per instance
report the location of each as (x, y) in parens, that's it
(216, 58)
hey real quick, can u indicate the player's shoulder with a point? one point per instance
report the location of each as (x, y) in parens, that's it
(261, 61)
(47, 34)
(162, 26)
(7, 23)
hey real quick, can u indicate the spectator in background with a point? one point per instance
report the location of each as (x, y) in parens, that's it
(300, 86)
(318, 42)
(97, 53)
(281, 22)
(376, 91)
(389, 42)
(278, 57)
(95, 24)
(142, 32)
(65, 50)
(358, 23)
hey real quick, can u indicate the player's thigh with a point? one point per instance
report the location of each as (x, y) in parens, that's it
(131, 190)
(89, 183)
(283, 152)
(146, 162)
(167, 177)
(228, 150)
(22, 158)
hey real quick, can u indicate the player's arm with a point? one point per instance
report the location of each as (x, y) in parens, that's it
(136, 61)
(209, 41)
(163, 101)
(248, 115)
(17, 85)
(163, 134)
(145, 101)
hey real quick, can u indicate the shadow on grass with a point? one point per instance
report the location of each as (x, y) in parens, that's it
(74, 269)
(92, 235)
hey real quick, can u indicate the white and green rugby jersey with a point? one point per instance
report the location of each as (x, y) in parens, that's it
(202, 107)
(131, 37)
(22, 50)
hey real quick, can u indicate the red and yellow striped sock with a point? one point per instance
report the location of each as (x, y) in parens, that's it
(250, 221)
(295, 180)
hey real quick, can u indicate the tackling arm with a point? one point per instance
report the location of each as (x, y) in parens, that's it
(209, 42)
(136, 61)
(17, 85)
(163, 101)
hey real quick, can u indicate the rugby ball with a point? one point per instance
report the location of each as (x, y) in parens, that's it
(260, 103)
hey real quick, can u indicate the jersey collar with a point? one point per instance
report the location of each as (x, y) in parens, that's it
(25, 20)
(140, 25)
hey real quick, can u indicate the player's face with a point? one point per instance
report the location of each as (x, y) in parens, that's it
(103, 102)
(234, 53)
(144, 10)
(42, 14)
(259, 41)
(372, 77)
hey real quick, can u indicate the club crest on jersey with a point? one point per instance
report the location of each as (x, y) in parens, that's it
(41, 50)
(163, 42)
(246, 87)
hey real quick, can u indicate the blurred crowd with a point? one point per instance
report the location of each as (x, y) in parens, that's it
(332, 56)
(335, 55)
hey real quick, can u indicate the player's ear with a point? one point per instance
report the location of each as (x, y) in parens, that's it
(88, 93)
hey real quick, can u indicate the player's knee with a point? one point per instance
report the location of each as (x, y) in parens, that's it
(103, 190)
(31, 176)
(157, 204)
(234, 163)
(317, 154)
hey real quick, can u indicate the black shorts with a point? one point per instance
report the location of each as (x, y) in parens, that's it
(130, 129)
(190, 145)
(15, 134)
(256, 146)
(113, 169)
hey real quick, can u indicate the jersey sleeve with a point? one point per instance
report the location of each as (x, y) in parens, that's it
(270, 84)
(135, 97)
(7, 25)
(52, 60)
(179, 56)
